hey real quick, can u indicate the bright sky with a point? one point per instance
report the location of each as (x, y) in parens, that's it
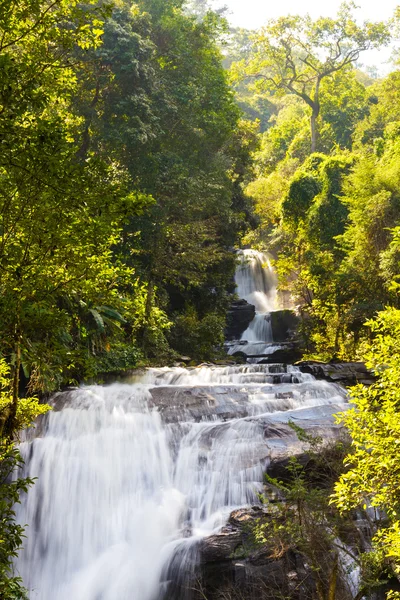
(252, 14)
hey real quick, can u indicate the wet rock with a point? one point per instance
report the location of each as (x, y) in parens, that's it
(205, 403)
(240, 357)
(185, 359)
(225, 363)
(240, 569)
(284, 325)
(283, 352)
(287, 353)
(246, 515)
(63, 399)
(233, 566)
(239, 317)
(283, 442)
(220, 546)
(344, 373)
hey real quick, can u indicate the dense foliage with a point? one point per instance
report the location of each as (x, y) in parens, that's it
(373, 478)
(121, 163)
(125, 181)
(332, 216)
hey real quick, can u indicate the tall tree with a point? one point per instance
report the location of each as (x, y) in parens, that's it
(201, 7)
(295, 54)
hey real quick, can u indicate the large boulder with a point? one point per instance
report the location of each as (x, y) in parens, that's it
(286, 352)
(233, 566)
(239, 317)
(202, 403)
(284, 325)
(344, 373)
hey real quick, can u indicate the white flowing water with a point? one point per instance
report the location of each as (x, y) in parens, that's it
(256, 280)
(257, 283)
(130, 476)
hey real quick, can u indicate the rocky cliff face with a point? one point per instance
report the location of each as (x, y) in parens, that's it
(284, 325)
(239, 317)
(233, 567)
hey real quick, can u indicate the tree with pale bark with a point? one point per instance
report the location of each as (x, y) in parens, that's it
(294, 54)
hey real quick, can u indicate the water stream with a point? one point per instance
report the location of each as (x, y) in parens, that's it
(124, 488)
(131, 476)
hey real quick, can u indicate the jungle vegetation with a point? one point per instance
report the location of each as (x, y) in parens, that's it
(327, 199)
(140, 142)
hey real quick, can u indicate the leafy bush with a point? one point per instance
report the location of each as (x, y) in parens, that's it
(121, 358)
(302, 191)
(373, 479)
(303, 521)
(11, 534)
(200, 338)
(327, 215)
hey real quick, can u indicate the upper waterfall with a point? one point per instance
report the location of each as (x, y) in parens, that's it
(256, 280)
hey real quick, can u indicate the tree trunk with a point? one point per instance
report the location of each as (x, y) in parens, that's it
(320, 590)
(147, 315)
(333, 579)
(314, 128)
(149, 300)
(314, 116)
(84, 148)
(337, 333)
(8, 421)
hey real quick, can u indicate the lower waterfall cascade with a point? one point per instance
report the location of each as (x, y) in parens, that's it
(132, 475)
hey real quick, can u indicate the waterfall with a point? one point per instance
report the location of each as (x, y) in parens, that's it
(131, 476)
(256, 282)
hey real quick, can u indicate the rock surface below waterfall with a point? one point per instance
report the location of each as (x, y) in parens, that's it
(269, 408)
(287, 352)
(344, 373)
(284, 325)
(233, 566)
(152, 468)
(239, 317)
